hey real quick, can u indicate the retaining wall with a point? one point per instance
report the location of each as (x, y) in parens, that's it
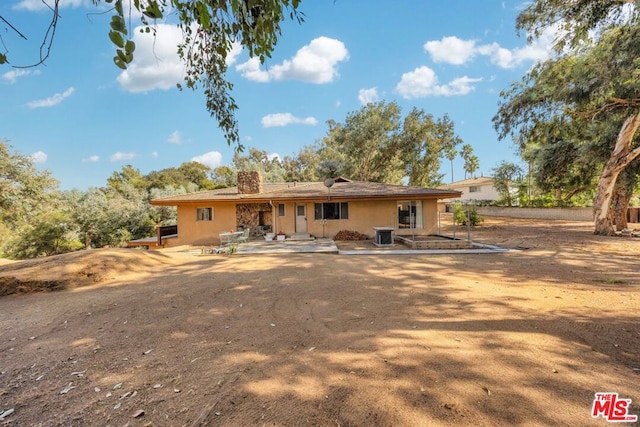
(567, 214)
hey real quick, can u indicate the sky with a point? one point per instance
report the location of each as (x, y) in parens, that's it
(82, 118)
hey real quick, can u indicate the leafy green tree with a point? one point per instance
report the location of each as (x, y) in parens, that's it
(107, 218)
(328, 169)
(129, 177)
(198, 174)
(224, 176)
(258, 160)
(506, 176)
(50, 233)
(24, 190)
(592, 81)
(425, 141)
(210, 29)
(304, 166)
(367, 144)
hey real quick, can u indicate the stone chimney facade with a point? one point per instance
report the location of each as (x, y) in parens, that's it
(249, 182)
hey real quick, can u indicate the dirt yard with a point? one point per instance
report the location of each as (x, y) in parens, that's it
(177, 339)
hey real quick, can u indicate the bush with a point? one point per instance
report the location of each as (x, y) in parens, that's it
(463, 214)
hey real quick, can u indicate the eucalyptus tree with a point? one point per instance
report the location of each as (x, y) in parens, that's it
(367, 144)
(591, 86)
(304, 166)
(425, 141)
(600, 78)
(210, 28)
(376, 144)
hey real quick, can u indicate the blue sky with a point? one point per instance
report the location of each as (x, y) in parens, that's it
(82, 118)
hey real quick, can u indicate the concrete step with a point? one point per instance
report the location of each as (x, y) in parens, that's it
(301, 236)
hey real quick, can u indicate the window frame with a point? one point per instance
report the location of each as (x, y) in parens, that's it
(320, 211)
(282, 209)
(208, 217)
(415, 214)
(474, 189)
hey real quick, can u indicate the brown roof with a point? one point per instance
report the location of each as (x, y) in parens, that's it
(291, 191)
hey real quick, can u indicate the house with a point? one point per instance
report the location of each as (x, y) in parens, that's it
(474, 189)
(320, 209)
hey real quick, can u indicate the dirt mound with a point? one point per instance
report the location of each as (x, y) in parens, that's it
(77, 269)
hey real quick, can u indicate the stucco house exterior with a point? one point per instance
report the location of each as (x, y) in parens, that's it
(474, 189)
(319, 209)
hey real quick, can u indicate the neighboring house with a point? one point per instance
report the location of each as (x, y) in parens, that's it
(303, 208)
(474, 189)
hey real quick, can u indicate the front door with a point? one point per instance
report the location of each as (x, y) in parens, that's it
(301, 218)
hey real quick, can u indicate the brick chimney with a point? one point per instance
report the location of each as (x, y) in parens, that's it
(249, 182)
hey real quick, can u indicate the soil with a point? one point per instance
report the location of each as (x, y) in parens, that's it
(173, 338)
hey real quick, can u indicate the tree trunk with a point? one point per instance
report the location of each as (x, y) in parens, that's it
(620, 205)
(622, 155)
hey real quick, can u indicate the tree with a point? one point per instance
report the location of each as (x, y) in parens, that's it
(24, 190)
(50, 233)
(129, 177)
(375, 144)
(451, 153)
(466, 152)
(594, 84)
(210, 28)
(259, 160)
(304, 166)
(471, 165)
(425, 141)
(366, 144)
(505, 176)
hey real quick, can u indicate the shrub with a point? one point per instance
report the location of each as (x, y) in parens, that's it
(463, 214)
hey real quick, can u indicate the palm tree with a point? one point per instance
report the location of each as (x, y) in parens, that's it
(466, 153)
(472, 165)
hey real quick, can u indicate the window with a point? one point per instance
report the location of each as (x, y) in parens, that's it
(204, 214)
(474, 189)
(280, 209)
(410, 214)
(331, 210)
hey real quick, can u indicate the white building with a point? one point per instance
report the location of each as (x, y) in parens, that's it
(474, 189)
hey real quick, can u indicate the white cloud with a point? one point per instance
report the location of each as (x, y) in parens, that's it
(175, 138)
(251, 70)
(455, 51)
(423, 82)
(91, 159)
(120, 156)
(154, 155)
(39, 157)
(285, 119)
(51, 101)
(451, 50)
(314, 63)
(273, 156)
(37, 5)
(213, 159)
(232, 55)
(366, 96)
(155, 64)
(12, 76)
